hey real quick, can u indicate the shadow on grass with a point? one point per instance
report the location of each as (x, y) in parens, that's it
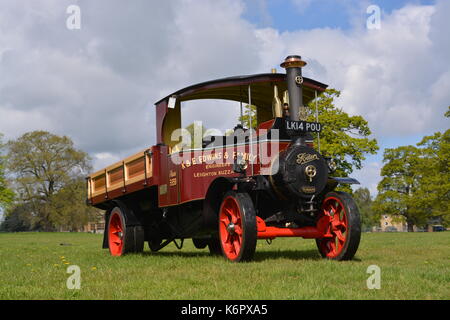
(181, 253)
(259, 256)
(311, 255)
(287, 254)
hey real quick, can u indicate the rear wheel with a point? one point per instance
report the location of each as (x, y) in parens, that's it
(237, 227)
(123, 239)
(344, 227)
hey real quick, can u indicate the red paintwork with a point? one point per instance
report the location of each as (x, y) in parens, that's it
(157, 152)
(320, 231)
(161, 110)
(192, 178)
(265, 126)
(334, 210)
(115, 235)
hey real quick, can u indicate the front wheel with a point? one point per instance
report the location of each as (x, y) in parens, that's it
(237, 227)
(344, 227)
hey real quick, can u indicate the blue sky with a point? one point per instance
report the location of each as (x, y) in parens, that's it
(292, 15)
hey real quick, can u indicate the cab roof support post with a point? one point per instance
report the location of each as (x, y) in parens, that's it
(242, 110)
(250, 126)
(317, 119)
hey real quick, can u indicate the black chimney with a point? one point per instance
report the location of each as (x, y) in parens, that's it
(293, 66)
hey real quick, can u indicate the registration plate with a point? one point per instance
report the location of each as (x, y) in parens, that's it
(302, 126)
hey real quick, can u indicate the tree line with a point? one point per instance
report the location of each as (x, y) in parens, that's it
(42, 184)
(415, 183)
(414, 187)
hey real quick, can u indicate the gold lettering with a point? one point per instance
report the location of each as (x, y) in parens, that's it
(303, 158)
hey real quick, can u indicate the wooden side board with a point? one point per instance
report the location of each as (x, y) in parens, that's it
(117, 177)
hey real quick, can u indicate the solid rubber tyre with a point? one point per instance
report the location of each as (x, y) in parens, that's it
(345, 227)
(123, 239)
(237, 227)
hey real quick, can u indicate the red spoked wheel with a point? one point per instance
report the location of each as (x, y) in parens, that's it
(237, 227)
(344, 229)
(115, 234)
(123, 239)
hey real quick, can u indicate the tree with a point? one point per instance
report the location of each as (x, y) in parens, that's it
(364, 201)
(248, 112)
(345, 138)
(18, 218)
(435, 175)
(416, 181)
(68, 209)
(44, 165)
(6, 194)
(399, 188)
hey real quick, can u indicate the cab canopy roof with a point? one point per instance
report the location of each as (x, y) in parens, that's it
(236, 89)
(232, 89)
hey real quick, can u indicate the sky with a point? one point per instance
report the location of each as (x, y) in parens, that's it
(97, 82)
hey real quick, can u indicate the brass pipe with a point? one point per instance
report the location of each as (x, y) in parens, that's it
(277, 108)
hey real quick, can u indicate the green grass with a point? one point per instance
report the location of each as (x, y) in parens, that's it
(413, 266)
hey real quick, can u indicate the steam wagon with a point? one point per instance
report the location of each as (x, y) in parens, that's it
(230, 190)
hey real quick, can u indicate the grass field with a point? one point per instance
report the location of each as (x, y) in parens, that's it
(413, 266)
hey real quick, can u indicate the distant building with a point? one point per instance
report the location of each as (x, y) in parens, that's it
(435, 224)
(389, 223)
(94, 227)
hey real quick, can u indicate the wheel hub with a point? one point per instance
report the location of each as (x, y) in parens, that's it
(231, 228)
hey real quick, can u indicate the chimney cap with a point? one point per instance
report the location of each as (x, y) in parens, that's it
(293, 61)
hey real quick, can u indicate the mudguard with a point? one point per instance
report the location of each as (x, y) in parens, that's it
(346, 180)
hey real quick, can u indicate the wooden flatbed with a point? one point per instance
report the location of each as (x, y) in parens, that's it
(129, 175)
